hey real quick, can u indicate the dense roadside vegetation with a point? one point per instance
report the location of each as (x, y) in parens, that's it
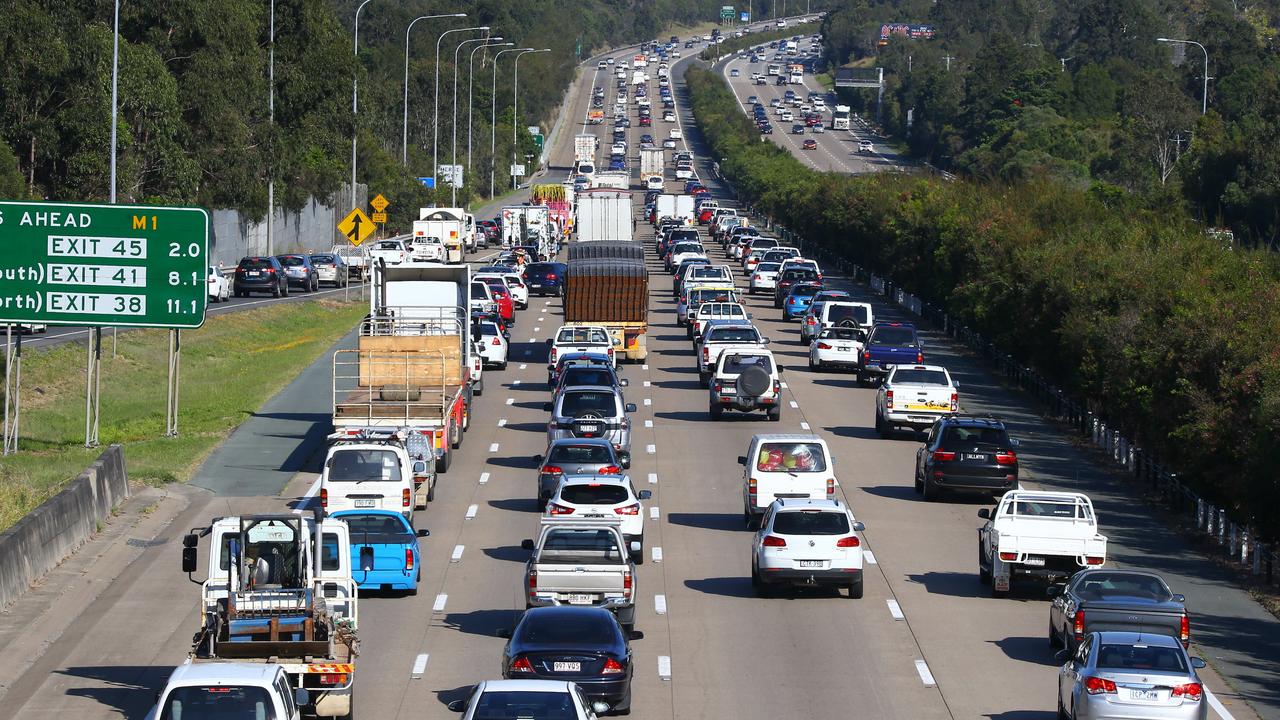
(1081, 92)
(193, 93)
(1134, 307)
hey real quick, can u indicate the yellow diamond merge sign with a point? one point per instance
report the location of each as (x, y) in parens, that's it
(356, 226)
(379, 203)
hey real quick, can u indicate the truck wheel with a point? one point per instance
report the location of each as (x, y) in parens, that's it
(881, 430)
(455, 434)
(445, 461)
(431, 489)
(862, 379)
(478, 388)
(998, 593)
(855, 589)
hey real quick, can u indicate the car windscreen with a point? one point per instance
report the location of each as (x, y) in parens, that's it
(843, 333)
(708, 272)
(588, 402)
(856, 313)
(706, 295)
(220, 701)
(522, 704)
(1140, 658)
(736, 364)
(478, 291)
(686, 247)
(582, 335)
(1103, 586)
(920, 377)
(377, 529)
(768, 267)
(758, 243)
(791, 456)
(594, 494)
(811, 522)
(799, 275)
(583, 541)
(733, 335)
(585, 454)
(389, 245)
(894, 336)
(487, 329)
(356, 465)
(577, 628)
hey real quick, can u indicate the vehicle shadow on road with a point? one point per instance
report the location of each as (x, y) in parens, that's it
(519, 462)
(1027, 649)
(853, 431)
(481, 622)
(683, 415)
(1024, 715)
(709, 521)
(528, 427)
(459, 693)
(516, 504)
(736, 587)
(510, 553)
(130, 689)
(893, 492)
(954, 584)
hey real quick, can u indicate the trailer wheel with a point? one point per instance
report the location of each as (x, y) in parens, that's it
(445, 461)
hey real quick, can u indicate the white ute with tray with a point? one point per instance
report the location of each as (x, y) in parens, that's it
(1038, 535)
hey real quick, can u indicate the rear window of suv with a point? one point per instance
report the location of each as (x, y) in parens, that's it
(836, 313)
(811, 522)
(579, 454)
(793, 456)
(594, 494)
(733, 335)
(736, 364)
(920, 377)
(577, 404)
(982, 435)
(582, 335)
(255, 264)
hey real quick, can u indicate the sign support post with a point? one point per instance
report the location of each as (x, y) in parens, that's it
(92, 386)
(12, 390)
(171, 403)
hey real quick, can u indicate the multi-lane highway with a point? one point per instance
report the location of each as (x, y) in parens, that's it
(925, 641)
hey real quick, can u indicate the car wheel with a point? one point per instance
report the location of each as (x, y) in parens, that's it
(502, 365)
(919, 482)
(758, 584)
(855, 589)
(751, 291)
(276, 292)
(455, 435)
(984, 574)
(802, 340)
(624, 707)
(1062, 711)
(862, 379)
(812, 365)
(1054, 640)
(930, 490)
(881, 429)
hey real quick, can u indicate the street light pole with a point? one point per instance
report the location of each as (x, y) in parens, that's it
(1204, 102)
(515, 106)
(355, 80)
(435, 113)
(453, 158)
(404, 138)
(271, 104)
(471, 84)
(493, 115)
(115, 95)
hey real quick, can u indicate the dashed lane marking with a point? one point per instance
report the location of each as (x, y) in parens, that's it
(648, 423)
(926, 677)
(419, 666)
(804, 426)
(515, 383)
(651, 449)
(441, 599)
(471, 511)
(493, 447)
(457, 553)
(484, 478)
(502, 422)
(653, 478)
(653, 513)
(647, 383)
(895, 609)
(867, 556)
(660, 601)
(511, 401)
(664, 667)
(523, 366)
(648, 401)
(795, 404)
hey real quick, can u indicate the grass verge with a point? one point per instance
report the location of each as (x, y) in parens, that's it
(230, 367)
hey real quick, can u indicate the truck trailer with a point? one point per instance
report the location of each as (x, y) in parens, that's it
(608, 285)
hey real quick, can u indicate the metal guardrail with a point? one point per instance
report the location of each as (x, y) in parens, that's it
(1237, 541)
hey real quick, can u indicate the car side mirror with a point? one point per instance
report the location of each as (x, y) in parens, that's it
(766, 341)
(624, 459)
(301, 697)
(1179, 597)
(630, 407)
(1055, 590)
(859, 526)
(538, 459)
(423, 532)
(751, 316)
(742, 459)
(984, 513)
(955, 384)
(644, 494)
(1198, 663)
(504, 633)
(457, 706)
(635, 635)
(549, 342)
(526, 544)
(634, 546)
(419, 467)
(616, 342)
(546, 407)
(623, 382)
(1013, 442)
(189, 560)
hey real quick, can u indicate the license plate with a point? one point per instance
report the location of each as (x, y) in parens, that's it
(589, 428)
(1144, 695)
(580, 599)
(365, 503)
(1034, 561)
(253, 273)
(593, 515)
(567, 667)
(974, 456)
(842, 348)
(810, 563)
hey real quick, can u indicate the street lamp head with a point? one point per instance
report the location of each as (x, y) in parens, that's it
(1163, 39)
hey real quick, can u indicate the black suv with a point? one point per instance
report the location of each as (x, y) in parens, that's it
(964, 452)
(260, 274)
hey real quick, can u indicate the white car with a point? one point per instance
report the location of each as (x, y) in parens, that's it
(684, 172)
(837, 347)
(668, 116)
(915, 396)
(219, 285)
(764, 277)
(807, 543)
(722, 336)
(528, 698)
(799, 262)
(373, 475)
(686, 251)
(600, 496)
(423, 248)
(393, 252)
(787, 466)
(864, 146)
(493, 346)
(654, 182)
(609, 61)
(669, 143)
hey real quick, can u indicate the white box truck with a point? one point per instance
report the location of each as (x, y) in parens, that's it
(448, 224)
(604, 214)
(676, 206)
(652, 162)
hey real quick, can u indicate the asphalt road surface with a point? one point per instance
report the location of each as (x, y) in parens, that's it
(101, 638)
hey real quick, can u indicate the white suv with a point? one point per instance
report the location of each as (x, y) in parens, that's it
(601, 496)
(807, 543)
(745, 380)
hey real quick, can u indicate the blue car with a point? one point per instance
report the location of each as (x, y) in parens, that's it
(798, 301)
(384, 550)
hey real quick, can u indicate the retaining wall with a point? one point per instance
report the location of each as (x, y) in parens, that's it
(312, 229)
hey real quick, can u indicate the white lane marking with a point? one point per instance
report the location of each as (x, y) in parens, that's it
(493, 447)
(795, 404)
(651, 449)
(653, 478)
(644, 367)
(664, 667)
(523, 366)
(804, 426)
(538, 329)
(457, 553)
(484, 478)
(515, 383)
(441, 599)
(653, 513)
(471, 511)
(1217, 706)
(926, 677)
(511, 401)
(657, 557)
(648, 423)
(502, 422)
(533, 340)
(647, 383)
(660, 602)
(869, 557)
(306, 498)
(895, 609)
(419, 666)
(784, 386)
(648, 402)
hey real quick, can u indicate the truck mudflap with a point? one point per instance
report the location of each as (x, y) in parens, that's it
(332, 703)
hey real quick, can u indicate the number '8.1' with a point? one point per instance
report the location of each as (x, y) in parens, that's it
(175, 250)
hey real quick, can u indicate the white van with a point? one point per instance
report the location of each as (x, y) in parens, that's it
(785, 466)
(367, 476)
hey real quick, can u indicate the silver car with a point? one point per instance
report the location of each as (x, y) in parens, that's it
(592, 411)
(1131, 676)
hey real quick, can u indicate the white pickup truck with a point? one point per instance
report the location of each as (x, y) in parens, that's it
(915, 396)
(1038, 535)
(582, 561)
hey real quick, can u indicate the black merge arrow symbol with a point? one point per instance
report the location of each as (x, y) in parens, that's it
(355, 228)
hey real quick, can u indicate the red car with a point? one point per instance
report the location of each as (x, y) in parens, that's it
(810, 144)
(646, 121)
(502, 297)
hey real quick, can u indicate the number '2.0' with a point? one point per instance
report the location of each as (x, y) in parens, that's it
(175, 250)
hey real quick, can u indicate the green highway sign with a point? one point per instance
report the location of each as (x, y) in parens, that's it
(119, 265)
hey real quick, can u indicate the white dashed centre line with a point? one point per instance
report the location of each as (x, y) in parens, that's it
(515, 383)
(653, 478)
(457, 553)
(511, 401)
(784, 386)
(644, 367)
(651, 449)
(484, 478)
(926, 677)
(653, 513)
(471, 511)
(804, 426)
(419, 666)
(647, 383)
(648, 402)
(895, 610)
(664, 667)
(660, 603)
(795, 404)
(657, 557)
(502, 422)
(648, 423)
(523, 366)
(493, 447)
(441, 599)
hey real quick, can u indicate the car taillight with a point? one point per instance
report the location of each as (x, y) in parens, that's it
(408, 559)
(271, 271)
(533, 582)
(405, 497)
(831, 486)
(888, 399)
(777, 387)
(919, 356)
(1077, 625)
(848, 542)
(1099, 686)
(955, 405)
(751, 482)
(773, 541)
(706, 354)
(612, 667)
(1006, 458)
(632, 509)
(1190, 691)
(943, 456)
(1184, 630)
(610, 352)
(810, 320)
(521, 665)
(551, 276)
(496, 341)
(1008, 556)
(324, 498)
(823, 346)
(553, 355)
(626, 582)
(609, 470)
(1091, 560)
(558, 509)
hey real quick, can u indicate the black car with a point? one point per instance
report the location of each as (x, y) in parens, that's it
(260, 274)
(766, 130)
(965, 452)
(299, 271)
(793, 276)
(583, 645)
(1102, 599)
(546, 278)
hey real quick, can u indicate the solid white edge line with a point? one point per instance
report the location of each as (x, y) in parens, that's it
(457, 553)
(441, 599)
(660, 603)
(306, 499)
(471, 511)
(484, 478)
(926, 677)
(1218, 706)
(664, 667)
(895, 609)
(419, 666)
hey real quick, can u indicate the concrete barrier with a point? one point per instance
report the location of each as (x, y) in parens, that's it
(51, 532)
